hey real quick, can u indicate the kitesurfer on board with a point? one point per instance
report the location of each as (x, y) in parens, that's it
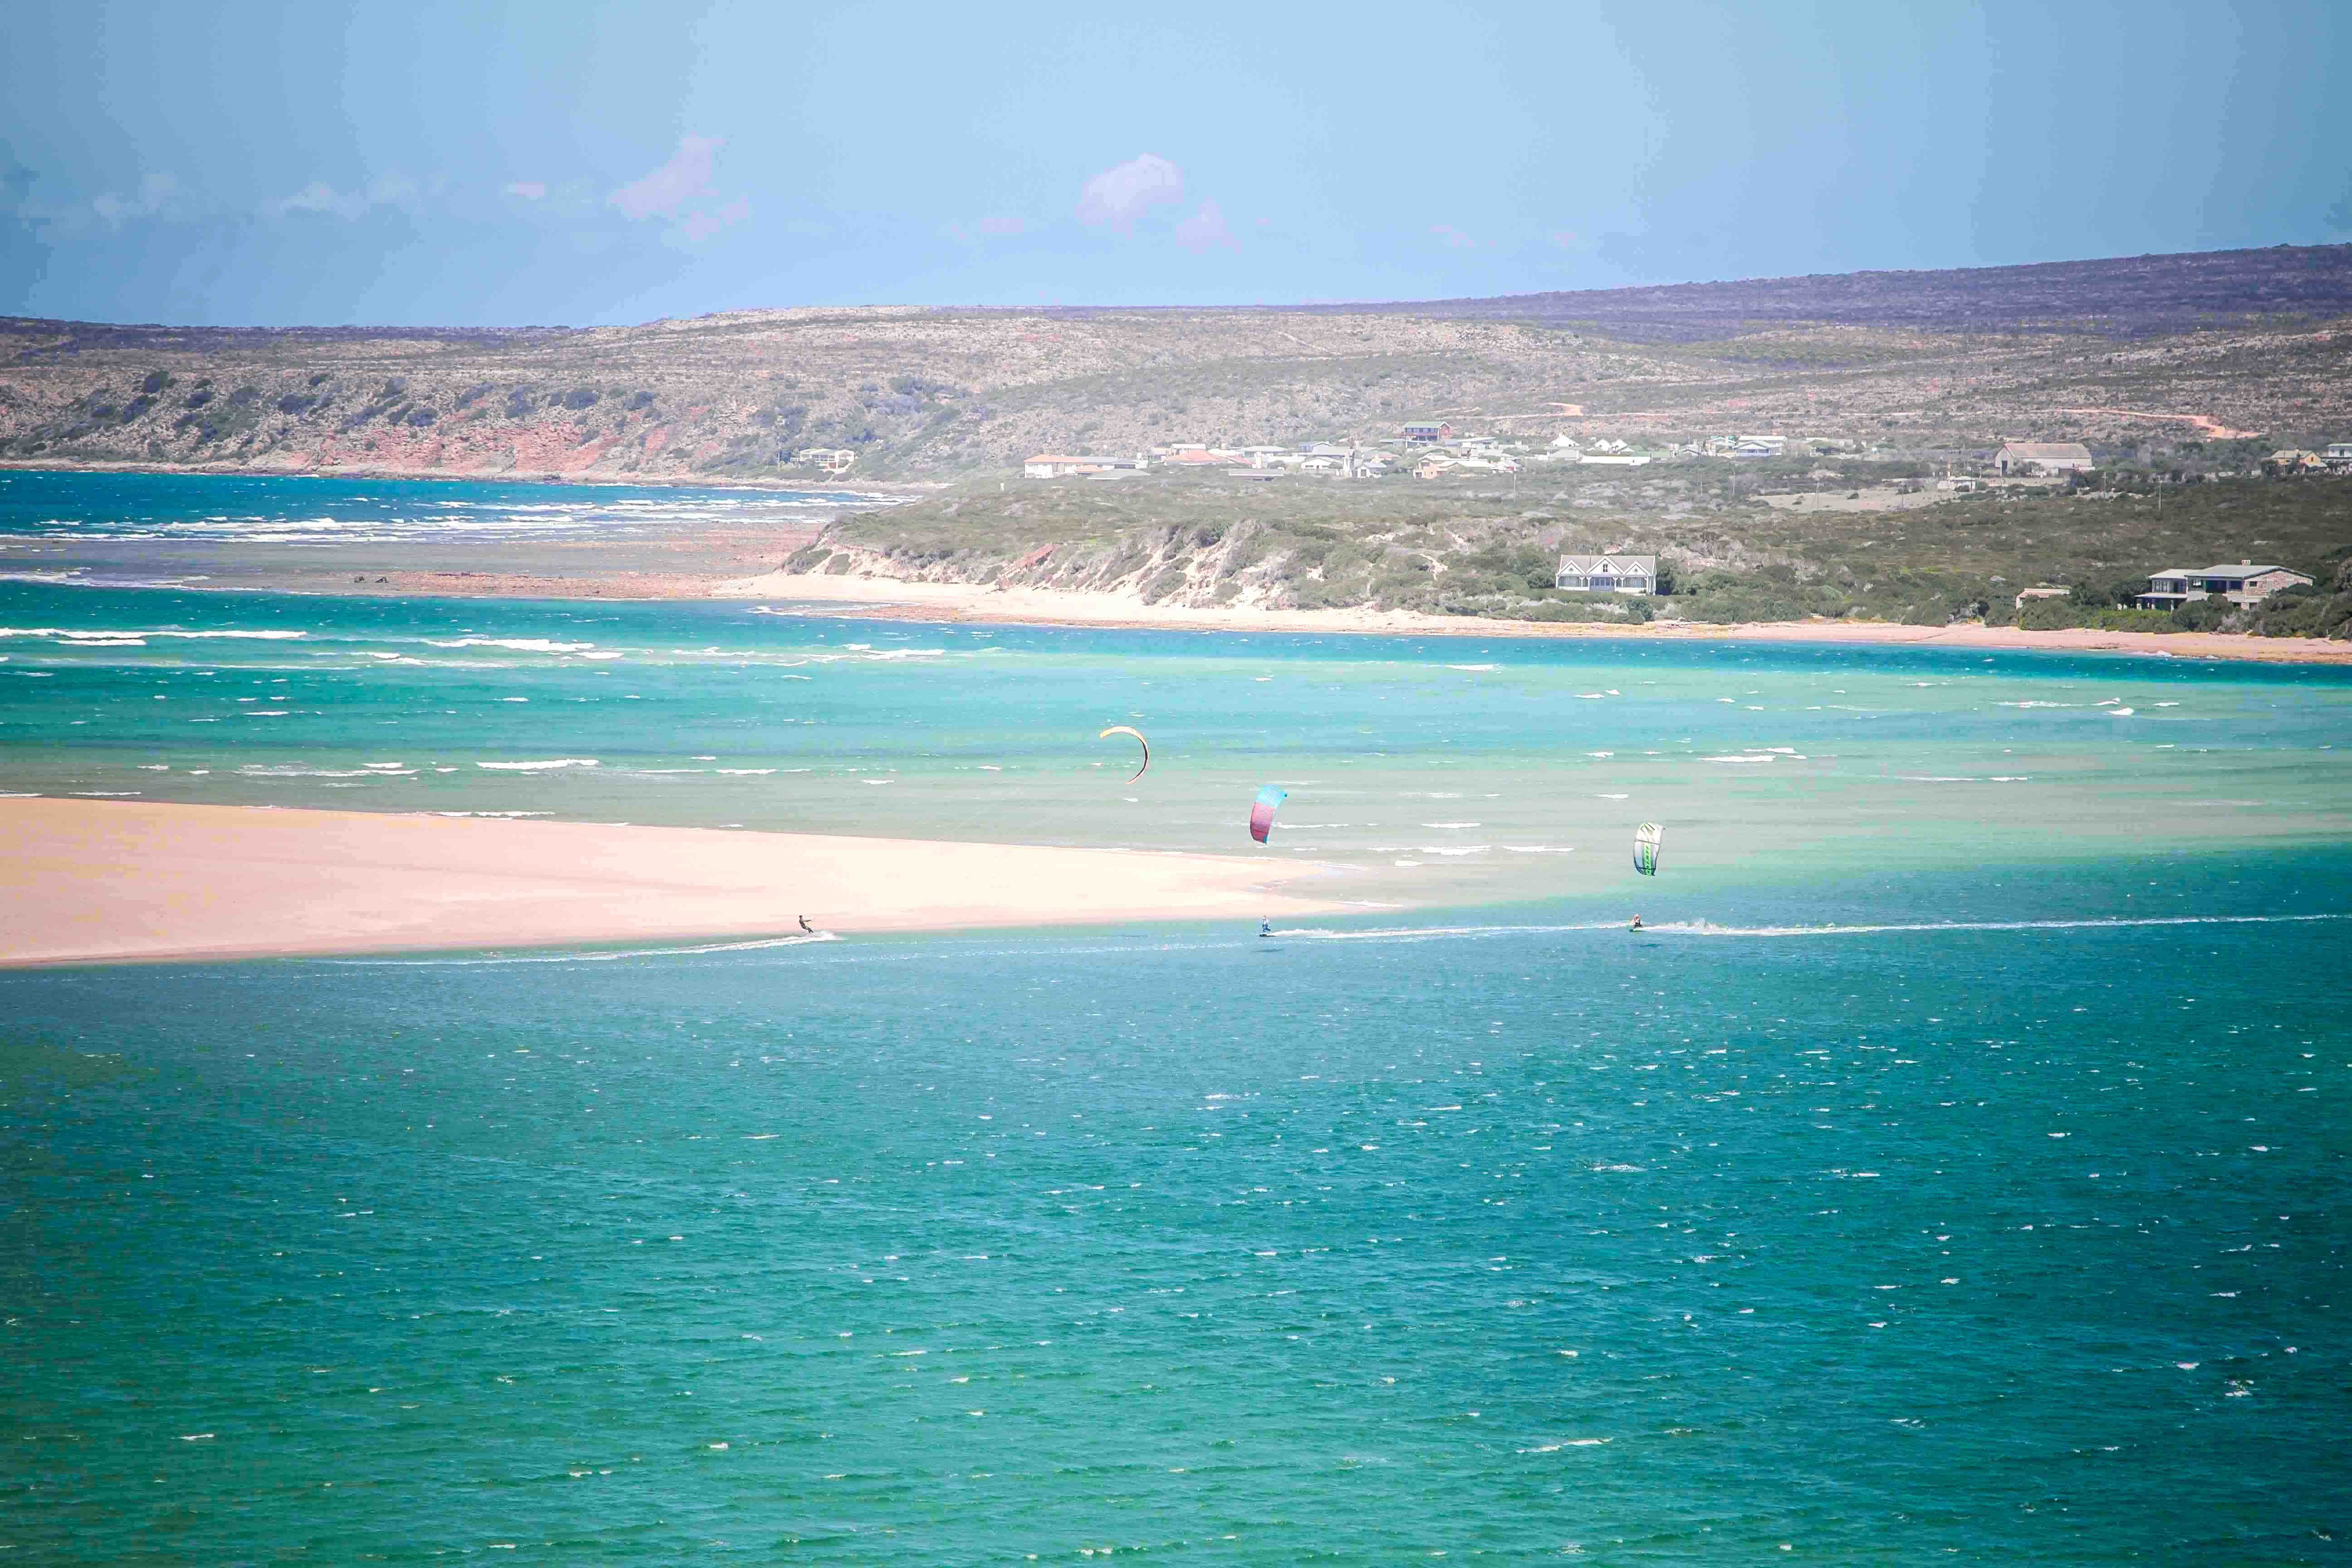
(812, 929)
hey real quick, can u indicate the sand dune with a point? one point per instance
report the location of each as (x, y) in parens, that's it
(102, 880)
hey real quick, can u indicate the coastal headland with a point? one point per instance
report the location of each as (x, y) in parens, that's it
(110, 882)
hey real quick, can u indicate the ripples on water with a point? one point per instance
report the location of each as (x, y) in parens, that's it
(2021, 1243)
(1954, 1165)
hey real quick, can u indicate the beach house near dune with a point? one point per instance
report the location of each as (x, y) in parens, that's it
(1056, 465)
(1609, 574)
(2044, 457)
(2244, 584)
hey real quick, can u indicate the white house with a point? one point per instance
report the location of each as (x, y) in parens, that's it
(1054, 466)
(2244, 583)
(2046, 457)
(2338, 457)
(1609, 574)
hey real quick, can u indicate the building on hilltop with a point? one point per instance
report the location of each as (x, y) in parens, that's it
(2044, 456)
(1428, 431)
(1608, 574)
(2244, 583)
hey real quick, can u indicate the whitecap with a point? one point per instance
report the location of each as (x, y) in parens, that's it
(539, 767)
(519, 645)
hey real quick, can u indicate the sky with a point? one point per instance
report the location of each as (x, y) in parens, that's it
(509, 163)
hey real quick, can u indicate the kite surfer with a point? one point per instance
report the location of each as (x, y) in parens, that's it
(812, 929)
(1266, 928)
(1636, 925)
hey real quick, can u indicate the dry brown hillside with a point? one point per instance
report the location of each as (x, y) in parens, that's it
(921, 394)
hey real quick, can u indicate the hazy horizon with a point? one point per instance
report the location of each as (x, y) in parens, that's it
(527, 165)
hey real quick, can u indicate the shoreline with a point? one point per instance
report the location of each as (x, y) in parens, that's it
(648, 578)
(143, 882)
(468, 476)
(894, 599)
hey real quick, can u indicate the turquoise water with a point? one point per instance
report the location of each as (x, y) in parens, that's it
(1956, 1172)
(39, 510)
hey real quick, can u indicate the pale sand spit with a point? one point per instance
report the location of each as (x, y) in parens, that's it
(92, 881)
(894, 599)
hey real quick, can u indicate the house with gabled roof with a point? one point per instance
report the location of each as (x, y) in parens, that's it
(1608, 574)
(2045, 457)
(2244, 583)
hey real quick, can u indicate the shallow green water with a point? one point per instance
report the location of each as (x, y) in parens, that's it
(1957, 1171)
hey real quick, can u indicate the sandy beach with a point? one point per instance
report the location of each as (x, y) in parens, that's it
(891, 598)
(93, 881)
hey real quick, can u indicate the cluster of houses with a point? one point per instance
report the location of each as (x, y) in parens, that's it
(2293, 462)
(1352, 462)
(1436, 448)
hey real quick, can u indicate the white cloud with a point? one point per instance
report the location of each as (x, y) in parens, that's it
(670, 187)
(1204, 230)
(679, 190)
(529, 190)
(1119, 195)
(389, 190)
(154, 190)
(319, 196)
(699, 225)
(1452, 238)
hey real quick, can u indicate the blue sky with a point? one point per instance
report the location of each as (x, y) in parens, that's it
(526, 163)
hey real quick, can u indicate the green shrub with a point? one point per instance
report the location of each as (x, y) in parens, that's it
(2060, 615)
(2202, 615)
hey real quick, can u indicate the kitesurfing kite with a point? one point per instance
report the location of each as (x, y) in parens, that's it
(1262, 811)
(1125, 730)
(1645, 847)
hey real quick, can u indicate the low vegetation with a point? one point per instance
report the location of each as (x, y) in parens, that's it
(2180, 374)
(1452, 547)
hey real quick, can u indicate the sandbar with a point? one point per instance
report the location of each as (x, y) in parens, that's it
(99, 881)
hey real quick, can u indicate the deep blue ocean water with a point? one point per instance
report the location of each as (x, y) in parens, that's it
(1956, 1172)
